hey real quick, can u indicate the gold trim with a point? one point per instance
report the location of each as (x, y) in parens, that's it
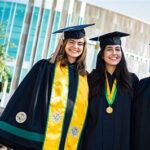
(57, 104)
(79, 115)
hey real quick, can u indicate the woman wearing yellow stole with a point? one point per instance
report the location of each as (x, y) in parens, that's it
(108, 125)
(48, 109)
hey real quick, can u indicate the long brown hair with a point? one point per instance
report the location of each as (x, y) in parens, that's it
(81, 66)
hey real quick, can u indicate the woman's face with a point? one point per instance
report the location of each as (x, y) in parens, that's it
(74, 49)
(112, 55)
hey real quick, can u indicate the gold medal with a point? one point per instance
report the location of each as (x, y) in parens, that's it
(109, 109)
(110, 95)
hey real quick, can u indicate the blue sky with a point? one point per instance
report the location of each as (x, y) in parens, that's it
(139, 9)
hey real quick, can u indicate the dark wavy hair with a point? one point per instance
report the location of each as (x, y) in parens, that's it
(97, 77)
(81, 65)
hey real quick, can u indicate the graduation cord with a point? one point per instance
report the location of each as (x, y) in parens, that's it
(110, 95)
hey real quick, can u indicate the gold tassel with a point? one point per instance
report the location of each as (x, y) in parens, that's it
(97, 46)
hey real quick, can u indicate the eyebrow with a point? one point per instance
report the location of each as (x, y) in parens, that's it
(115, 47)
(76, 41)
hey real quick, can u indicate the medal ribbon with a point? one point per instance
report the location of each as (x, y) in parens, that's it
(110, 95)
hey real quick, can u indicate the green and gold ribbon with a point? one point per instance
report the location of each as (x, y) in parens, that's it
(110, 95)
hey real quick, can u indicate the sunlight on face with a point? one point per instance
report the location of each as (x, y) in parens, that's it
(74, 49)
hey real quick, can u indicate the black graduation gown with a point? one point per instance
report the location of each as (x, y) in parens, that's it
(141, 136)
(33, 97)
(105, 131)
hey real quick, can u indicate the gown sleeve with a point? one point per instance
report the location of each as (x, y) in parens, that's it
(23, 121)
(135, 83)
(141, 132)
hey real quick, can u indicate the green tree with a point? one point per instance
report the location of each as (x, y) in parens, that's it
(4, 71)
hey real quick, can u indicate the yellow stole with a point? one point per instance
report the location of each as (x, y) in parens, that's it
(57, 109)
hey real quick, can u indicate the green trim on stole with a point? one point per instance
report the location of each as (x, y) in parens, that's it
(57, 108)
(49, 108)
(56, 114)
(79, 115)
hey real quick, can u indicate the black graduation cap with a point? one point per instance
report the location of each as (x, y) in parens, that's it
(74, 32)
(112, 38)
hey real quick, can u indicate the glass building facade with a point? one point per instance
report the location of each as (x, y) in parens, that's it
(50, 15)
(12, 16)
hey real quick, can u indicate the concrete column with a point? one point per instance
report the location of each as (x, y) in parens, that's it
(22, 45)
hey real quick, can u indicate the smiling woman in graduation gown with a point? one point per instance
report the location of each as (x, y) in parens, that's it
(108, 124)
(48, 109)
